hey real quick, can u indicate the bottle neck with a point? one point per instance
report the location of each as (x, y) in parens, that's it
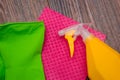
(84, 33)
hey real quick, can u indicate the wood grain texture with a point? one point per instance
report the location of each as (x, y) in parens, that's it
(105, 14)
(21, 10)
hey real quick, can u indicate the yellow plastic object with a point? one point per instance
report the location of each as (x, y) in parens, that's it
(102, 61)
(70, 39)
(70, 33)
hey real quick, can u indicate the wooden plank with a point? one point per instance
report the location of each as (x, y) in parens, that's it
(75, 9)
(1, 11)
(21, 10)
(105, 14)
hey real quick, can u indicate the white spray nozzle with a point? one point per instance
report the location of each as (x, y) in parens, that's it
(79, 30)
(71, 34)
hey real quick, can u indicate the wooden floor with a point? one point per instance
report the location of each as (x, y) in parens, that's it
(105, 14)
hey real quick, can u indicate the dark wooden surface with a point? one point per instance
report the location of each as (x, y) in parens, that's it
(105, 14)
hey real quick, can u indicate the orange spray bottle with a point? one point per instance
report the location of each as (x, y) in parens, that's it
(103, 62)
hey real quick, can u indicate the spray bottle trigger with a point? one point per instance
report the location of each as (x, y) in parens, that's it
(69, 36)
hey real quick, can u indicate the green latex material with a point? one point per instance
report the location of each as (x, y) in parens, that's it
(20, 51)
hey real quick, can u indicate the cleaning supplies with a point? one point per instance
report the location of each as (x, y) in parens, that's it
(71, 40)
(58, 64)
(103, 62)
(2, 69)
(69, 35)
(20, 51)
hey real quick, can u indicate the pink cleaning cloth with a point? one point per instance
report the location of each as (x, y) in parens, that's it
(58, 65)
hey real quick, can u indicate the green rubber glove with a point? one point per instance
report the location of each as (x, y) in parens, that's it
(20, 51)
(2, 69)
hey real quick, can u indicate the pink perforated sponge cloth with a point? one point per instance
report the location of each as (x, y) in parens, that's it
(58, 64)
